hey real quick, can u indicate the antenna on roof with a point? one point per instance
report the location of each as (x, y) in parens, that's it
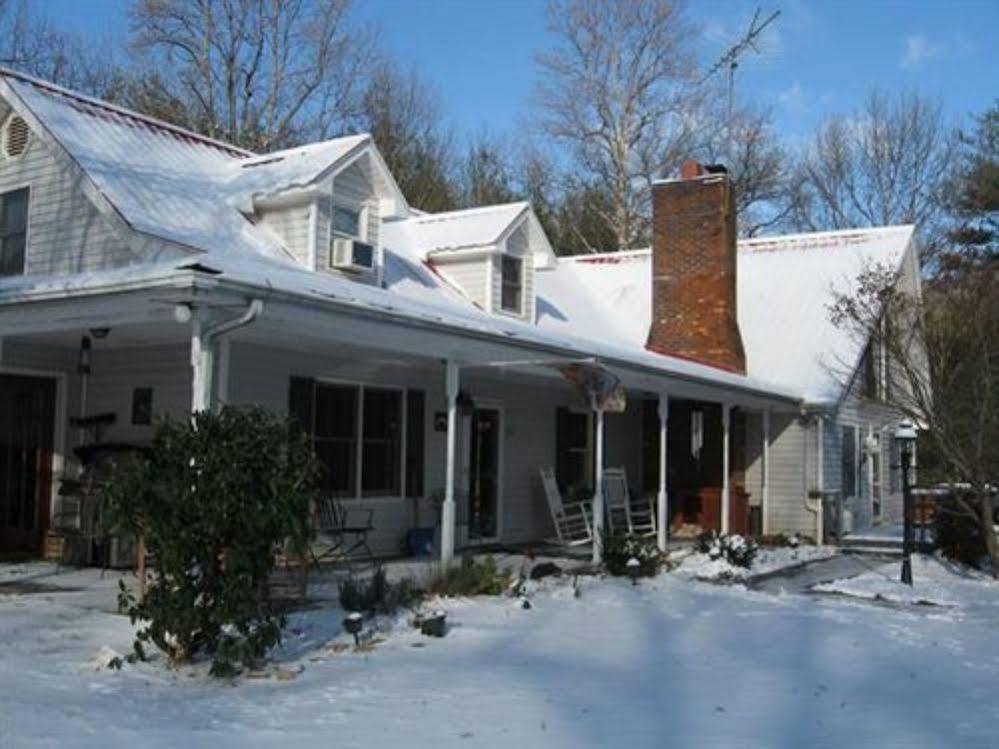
(730, 59)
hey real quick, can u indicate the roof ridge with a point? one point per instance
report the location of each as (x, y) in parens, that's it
(93, 101)
(467, 211)
(283, 152)
(826, 234)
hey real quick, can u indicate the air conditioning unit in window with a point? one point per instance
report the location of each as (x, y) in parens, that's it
(351, 255)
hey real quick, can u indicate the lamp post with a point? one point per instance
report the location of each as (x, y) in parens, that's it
(905, 435)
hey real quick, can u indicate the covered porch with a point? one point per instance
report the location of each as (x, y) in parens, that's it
(430, 429)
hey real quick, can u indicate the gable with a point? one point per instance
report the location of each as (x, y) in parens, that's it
(66, 233)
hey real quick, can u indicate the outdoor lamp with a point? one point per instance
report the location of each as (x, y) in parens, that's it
(83, 363)
(905, 436)
(354, 623)
(634, 567)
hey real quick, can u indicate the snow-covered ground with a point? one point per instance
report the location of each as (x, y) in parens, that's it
(935, 581)
(670, 662)
(768, 559)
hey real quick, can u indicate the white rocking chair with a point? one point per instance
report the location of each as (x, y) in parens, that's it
(573, 522)
(622, 515)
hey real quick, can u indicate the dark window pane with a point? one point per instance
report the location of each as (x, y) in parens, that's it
(13, 227)
(346, 221)
(336, 411)
(415, 425)
(511, 283)
(142, 406)
(848, 452)
(381, 452)
(339, 466)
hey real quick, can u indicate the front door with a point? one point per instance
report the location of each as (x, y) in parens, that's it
(483, 461)
(27, 406)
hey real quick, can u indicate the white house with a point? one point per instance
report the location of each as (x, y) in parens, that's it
(147, 270)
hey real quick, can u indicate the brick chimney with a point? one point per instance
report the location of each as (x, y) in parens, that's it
(694, 314)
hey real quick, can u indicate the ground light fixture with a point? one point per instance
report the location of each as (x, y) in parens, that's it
(354, 623)
(905, 436)
(634, 567)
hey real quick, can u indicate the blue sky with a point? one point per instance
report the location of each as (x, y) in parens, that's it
(819, 57)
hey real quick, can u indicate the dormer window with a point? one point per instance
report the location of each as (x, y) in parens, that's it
(347, 222)
(511, 284)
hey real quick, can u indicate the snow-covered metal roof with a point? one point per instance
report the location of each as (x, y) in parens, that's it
(784, 288)
(181, 187)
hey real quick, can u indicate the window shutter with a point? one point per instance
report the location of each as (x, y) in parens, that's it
(415, 430)
(302, 402)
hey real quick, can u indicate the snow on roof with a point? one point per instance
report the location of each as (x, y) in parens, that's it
(162, 180)
(784, 287)
(293, 167)
(454, 230)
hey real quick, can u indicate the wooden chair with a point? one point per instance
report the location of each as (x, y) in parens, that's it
(623, 514)
(574, 521)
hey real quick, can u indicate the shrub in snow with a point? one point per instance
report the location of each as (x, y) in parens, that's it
(734, 549)
(957, 530)
(471, 578)
(623, 547)
(377, 595)
(215, 500)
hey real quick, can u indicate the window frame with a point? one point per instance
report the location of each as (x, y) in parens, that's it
(360, 209)
(504, 284)
(27, 226)
(359, 386)
(585, 452)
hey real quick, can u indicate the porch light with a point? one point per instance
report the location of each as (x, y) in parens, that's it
(905, 436)
(83, 363)
(182, 313)
(354, 623)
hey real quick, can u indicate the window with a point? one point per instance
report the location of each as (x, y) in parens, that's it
(894, 467)
(13, 231)
(511, 284)
(142, 406)
(381, 446)
(360, 433)
(572, 447)
(848, 457)
(336, 437)
(347, 222)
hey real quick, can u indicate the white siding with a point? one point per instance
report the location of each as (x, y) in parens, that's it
(788, 478)
(66, 234)
(291, 226)
(471, 275)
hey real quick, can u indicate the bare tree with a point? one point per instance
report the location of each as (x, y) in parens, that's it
(942, 355)
(403, 114)
(617, 90)
(29, 42)
(883, 165)
(759, 165)
(258, 73)
(487, 174)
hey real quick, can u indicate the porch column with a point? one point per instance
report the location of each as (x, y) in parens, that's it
(725, 503)
(765, 493)
(201, 365)
(662, 500)
(447, 510)
(598, 492)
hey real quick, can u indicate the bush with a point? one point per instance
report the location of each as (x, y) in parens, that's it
(622, 547)
(471, 578)
(377, 595)
(214, 500)
(958, 535)
(734, 549)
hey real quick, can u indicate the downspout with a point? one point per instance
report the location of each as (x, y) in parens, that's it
(814, 505)
(203, 339)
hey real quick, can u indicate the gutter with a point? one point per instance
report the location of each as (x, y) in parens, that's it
(197, 282)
